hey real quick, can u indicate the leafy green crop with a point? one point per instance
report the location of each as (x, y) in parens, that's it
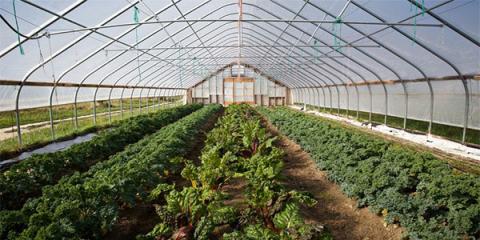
(237, 148)
(26, 179)
(86, 205)
(415, 189)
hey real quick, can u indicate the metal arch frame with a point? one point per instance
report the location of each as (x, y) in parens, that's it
(49, 22)
(396, 74)
(103, 22)
(230, 66)
(123, 34)
(386, 113)
(163, 27)
(133, 59)
(334, 74)
(283, 60)
(409, 63)
(126, 50)
(362, 66)
(291, 49)
(396, 54)
(190, 26)
(446, 23)
(59, 52)
(276, 62)
(361, 51)
(436, 54)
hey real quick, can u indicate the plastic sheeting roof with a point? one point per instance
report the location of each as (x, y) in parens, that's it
(190, 38)
(417, 59)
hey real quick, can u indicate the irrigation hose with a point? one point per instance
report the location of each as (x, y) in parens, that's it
(19, 33)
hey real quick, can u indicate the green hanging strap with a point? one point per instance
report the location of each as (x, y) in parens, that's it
(415, 19)
(136, 12)
(423, 8)
(336, 41)
(18, 29)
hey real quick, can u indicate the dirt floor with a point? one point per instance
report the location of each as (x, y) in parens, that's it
(334, 209)
(142, 218)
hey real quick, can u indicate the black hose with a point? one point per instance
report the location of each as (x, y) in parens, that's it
(15, 30)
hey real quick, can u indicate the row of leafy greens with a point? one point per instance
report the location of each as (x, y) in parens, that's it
(26, 179)
(426, 196)
(86, 205)
(237, 149)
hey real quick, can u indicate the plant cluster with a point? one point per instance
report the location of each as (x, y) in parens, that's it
(240, 149)
(86, 205)
(26, 179)
(422, 193)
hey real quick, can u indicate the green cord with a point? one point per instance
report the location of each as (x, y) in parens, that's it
(415, 20)
(336, 41)
(18, 29)
(423, 8)
(135, 14)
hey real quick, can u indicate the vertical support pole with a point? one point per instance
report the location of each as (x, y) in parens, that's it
(140, 102)
(304, 99)
(121, 103)
(154, 105)
(358, 101)
(75, 109)
(50, 114)
(331, 99)
(148, 99)
(371, 103)
(131, 104)
(201, 91)
(110, 106)
(318, 99)
(386, 105)
(109, 109)
(467, 107)
(159, 100)
(338, 100)
(95, 107)
(17, 117)
(275, 94)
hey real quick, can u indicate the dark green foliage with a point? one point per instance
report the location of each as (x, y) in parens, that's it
(26, 179)
(238, 147)
(423, 194)
(86, 205)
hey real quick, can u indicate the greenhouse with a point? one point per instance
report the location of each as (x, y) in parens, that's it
(240, 119)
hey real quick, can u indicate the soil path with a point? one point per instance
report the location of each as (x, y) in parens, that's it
(334, 209)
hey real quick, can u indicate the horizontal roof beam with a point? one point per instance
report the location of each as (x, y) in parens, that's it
(244, 20)
(66, 84)
(244, 46)
(243, 57)
(376, 82)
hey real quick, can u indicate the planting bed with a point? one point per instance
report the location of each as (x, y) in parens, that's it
(196, 172)
(423, 194)
(86, 205)
(25, 179)
(239, 153)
